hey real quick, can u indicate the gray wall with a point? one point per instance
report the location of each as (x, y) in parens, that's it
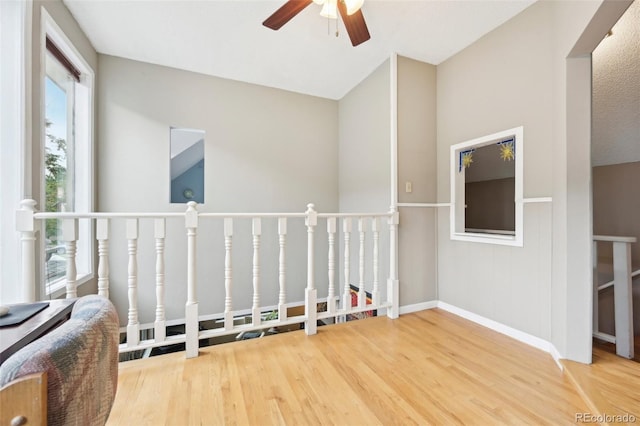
(417, 164)
(516, 75)
(266, 150)
(363, 163)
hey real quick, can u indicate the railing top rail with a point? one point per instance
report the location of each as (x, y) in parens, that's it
(102, 215)
(614, 239)
(108, 215)
(325, 215)
(252, 215)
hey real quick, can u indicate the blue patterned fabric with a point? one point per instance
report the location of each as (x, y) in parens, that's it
(81, 361)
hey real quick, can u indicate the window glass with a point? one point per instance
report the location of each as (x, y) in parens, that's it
(489, 192)
(67, 170)
(58, 172)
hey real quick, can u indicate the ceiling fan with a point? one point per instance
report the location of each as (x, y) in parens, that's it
(349, 11)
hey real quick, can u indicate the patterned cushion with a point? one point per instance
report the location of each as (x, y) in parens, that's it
(81, 361)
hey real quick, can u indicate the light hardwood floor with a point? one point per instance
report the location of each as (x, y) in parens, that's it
(429, 367)
(610, 385)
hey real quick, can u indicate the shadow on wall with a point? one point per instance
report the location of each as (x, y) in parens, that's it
(616, 211)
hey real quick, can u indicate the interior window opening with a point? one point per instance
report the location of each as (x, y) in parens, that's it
(486, 189)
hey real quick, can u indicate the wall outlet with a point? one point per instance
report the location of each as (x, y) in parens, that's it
(408, 187)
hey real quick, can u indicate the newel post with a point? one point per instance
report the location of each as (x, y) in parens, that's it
(310, 296)
(191, 308)
(392, 283)
(25, 224)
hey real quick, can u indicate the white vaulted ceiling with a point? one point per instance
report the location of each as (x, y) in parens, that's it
(226, 38)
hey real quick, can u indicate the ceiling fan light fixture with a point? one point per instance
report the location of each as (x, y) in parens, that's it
(330, 9)
(353, 6)
(349, 10)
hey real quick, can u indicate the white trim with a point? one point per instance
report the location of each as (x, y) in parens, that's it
(604, 337)
(417, 307)
(556, 356)
(15, 148)
(520, 336)
(615, 239)
(537, 200)
(424, 204)
(393, 98)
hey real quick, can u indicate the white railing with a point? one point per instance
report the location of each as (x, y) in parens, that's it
(622, 294)
(29, 222)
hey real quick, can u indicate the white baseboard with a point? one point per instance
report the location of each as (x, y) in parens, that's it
(520, 336)
(556, 356)
(407, 309)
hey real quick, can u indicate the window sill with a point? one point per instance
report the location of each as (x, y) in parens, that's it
(477, 237)
(489, 232)
(58, 289)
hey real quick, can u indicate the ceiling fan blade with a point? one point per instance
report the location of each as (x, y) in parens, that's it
(355, 25)
(285, 13)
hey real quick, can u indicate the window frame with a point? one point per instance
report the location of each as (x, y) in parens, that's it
(457, 188)
(84, 117)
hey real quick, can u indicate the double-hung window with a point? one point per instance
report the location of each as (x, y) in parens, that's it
(67, 154)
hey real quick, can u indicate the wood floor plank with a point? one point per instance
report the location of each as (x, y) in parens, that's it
(429, 367)
(610, 385)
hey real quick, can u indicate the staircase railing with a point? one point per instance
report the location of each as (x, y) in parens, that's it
(366, 226)
(622, 293)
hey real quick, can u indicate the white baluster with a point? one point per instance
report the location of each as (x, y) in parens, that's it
(102, 235)
(70, 237)
(392, 282)
(362, 296)
(346, 294)
(191, 308)
(596, 293)
(375, 293)
(255, 308)
(133, 326)
(311, 295)
(160, 330)
(282, 297)
(623, 299)
(331, 294)
(25, 224)
(228, 274)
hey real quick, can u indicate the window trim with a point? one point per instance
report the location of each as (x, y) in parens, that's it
(457, 183)
(51, 31)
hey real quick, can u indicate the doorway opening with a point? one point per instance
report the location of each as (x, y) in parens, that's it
(615, 162)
